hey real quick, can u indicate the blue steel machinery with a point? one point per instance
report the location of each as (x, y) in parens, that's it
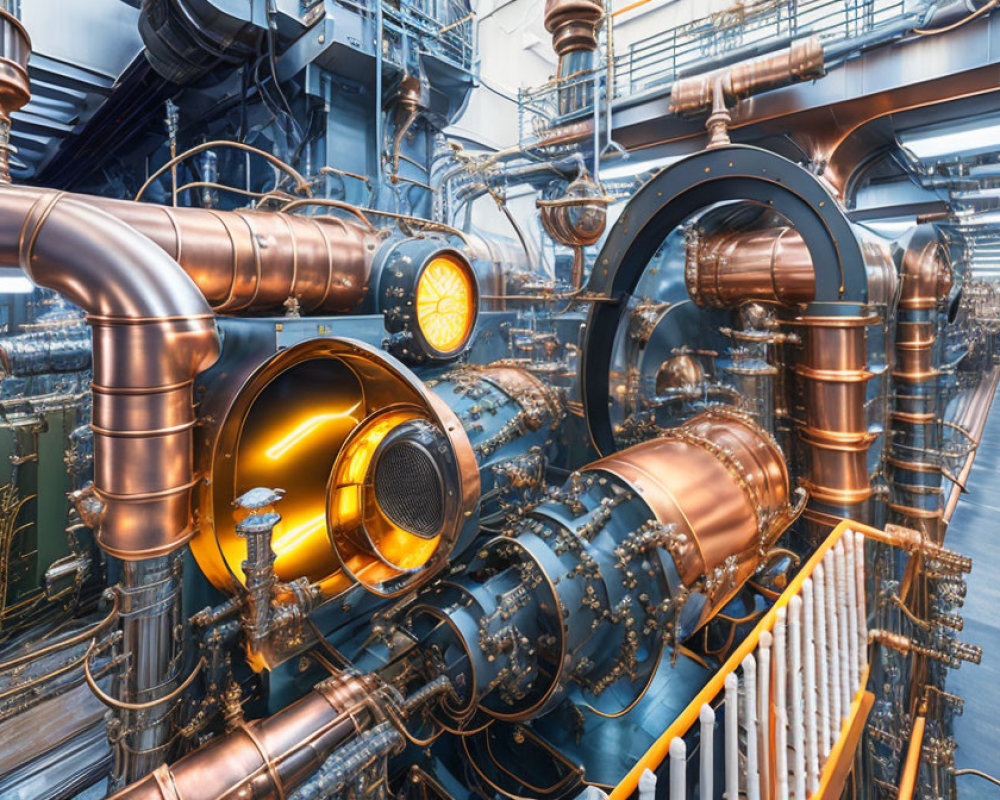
(343, 497)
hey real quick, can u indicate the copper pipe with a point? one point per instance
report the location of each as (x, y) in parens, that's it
(802, 61)
(152, 332)
(255, 261)
(727, 268)
(267, 759)
(833, 375)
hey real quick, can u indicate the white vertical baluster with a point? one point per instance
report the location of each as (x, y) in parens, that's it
(764, 711)
(678, 769)
(780, 706)
(647, 785)
(859, 565)
(732, 738)
(750, 723)
(852, 610)
(832, 640)
(843, 635)
(781, 754)
(707, 749)
(798, 732)
(809, 683)
(822, 665)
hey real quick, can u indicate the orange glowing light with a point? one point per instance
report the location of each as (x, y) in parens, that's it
(297, 535)
(300, 432)
(446, 303)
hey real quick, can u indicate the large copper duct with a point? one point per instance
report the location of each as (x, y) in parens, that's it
(573, 25)
(266, 759)
(256, 261)
(152, 331)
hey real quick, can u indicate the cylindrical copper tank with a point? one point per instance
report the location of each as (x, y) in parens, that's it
(720, 478)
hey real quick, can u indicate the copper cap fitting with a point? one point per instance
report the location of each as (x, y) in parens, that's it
(573, 24)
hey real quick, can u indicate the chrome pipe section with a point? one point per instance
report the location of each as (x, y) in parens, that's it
(149, 602)
(573, 25)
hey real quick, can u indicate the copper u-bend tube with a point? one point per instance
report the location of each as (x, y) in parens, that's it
(153, 332)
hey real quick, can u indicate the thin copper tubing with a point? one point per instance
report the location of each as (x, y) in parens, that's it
(301, 182)
(152, 332)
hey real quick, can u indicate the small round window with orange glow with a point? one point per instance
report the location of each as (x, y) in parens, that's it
(447, 304)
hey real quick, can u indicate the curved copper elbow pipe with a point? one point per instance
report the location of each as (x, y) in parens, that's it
(914, 472)
(267, 759)
(925, 271)
(256, 261)
(152, 331)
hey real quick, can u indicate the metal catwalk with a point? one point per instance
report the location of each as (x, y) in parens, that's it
(979, 684)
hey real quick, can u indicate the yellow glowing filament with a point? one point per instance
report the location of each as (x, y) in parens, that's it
(299, 534)
(446, 304)
(309, 426)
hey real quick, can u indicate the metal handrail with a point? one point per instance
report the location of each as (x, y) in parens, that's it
(828, 570)
(660, 58)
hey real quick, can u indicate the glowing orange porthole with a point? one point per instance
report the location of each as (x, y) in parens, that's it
(446, 303)
(429, 299)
